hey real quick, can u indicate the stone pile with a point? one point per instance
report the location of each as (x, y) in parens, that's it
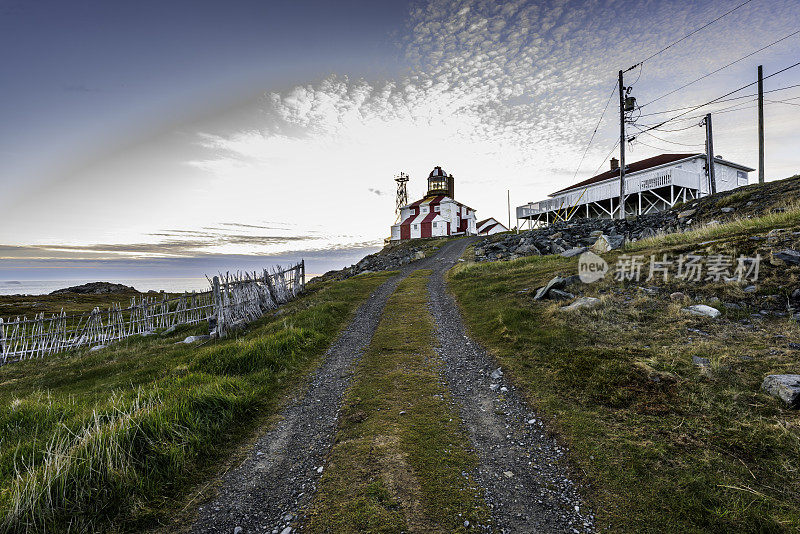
(573, 237)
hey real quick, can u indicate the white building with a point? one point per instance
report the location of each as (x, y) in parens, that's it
(437, 214)
(652, 184)
(490, 226)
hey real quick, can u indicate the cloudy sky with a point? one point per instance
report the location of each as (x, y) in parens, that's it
(175, 136)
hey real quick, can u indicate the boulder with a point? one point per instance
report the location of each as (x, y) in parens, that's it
(606, 243)
(583, 302)
(785, 387)
(703, 310)
(792, 257)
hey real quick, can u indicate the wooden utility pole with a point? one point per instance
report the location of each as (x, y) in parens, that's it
(710, 154)
(508, 193)
(760, 125)
(621, 147)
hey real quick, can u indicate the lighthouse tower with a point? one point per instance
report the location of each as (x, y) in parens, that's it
(437, 214)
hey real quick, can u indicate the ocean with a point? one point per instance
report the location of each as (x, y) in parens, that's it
(43, 287)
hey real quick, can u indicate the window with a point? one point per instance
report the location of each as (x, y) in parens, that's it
(436, 209)
(741, 178)
(424, 209)
(416, 227)
(434, 225)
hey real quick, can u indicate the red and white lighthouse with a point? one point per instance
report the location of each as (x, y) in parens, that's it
(437, 214)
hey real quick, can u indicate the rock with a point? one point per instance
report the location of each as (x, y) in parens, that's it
(574, 251)
(97, 347)
(466, 524)
(677, 296)
(319, 470)
(785, 387)
(701, 362)
(555, 282)
(527, 250)
(508, 474)
(169, 330)
(727, 210)
(418, 255)
(95, 288)
(789, 256)
(287, 530)
(557, 294)
(687, 213)
(702, 309)
(237, 530)
(606, 243)
(583, 302)
(749, 289)
(193, 339)
(496, 374)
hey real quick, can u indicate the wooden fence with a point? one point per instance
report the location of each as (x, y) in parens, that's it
(232, 301)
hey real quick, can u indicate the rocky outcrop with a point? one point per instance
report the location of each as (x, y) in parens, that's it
(572, 238)
(95, 288)
(391, 258)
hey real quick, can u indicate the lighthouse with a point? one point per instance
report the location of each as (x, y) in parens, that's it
(437, 214)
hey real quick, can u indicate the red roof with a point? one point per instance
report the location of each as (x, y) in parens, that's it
(655, 161)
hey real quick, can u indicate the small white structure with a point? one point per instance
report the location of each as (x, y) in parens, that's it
(437, 214)
(652, 184)
(490, 226)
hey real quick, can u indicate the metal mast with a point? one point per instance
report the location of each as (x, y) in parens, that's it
(402, 194)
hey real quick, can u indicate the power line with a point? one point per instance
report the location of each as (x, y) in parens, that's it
(783, 102)
(613, 90)
(673, 142)
(690, 34)
(720, 101)
(719, 69)
(721, 97)
(606, 158)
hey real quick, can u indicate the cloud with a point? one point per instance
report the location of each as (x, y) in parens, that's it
(375, 191)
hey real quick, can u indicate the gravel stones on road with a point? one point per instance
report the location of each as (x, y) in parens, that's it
(273, 484)
(522, 469)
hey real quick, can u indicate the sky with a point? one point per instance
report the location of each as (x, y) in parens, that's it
(173, 138)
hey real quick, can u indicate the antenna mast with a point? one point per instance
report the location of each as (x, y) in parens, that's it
(402, 194)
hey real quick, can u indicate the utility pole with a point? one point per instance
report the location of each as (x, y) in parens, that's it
(621, 147)
(508, 191)
(760, 125)
(710, 154)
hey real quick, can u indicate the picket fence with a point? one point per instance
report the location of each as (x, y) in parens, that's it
(233, 300)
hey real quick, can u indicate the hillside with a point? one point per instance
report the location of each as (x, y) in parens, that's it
(662, 409)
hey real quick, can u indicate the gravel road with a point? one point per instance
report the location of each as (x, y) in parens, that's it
(521, 468)
(280, 473)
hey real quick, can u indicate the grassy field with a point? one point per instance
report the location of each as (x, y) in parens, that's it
(72, 303)
(666, 445)
(116, 439)
(400, 462)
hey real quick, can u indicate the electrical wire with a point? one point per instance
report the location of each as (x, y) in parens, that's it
(783, 102)
(719, 69)
(721, 101)
(606, 158)
(648, 58)
(723, 96)
(613, 90)
(693, 145)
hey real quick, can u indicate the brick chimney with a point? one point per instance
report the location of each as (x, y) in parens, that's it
(614, 164)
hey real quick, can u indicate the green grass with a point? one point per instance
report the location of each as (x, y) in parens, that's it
(665, 445)
(119, 437)
(732, 229)
(399, 459)
(72, 303)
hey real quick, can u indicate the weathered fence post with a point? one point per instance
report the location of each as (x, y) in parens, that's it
(217, 316)
(2, 342)
(303, 275)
